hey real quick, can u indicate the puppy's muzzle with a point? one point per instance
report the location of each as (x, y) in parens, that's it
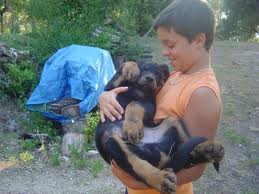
(146, 79)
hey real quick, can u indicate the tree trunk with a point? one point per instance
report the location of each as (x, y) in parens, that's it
(1, 23)
(5, 8)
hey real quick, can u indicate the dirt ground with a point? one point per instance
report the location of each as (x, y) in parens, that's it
(237, 68)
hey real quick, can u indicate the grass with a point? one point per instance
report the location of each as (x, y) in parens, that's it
(55, 160)
(108, 190)
(229, 109)
(254, 162)
(30, 144)
(250, 192)
(236, 137)
(95, 166)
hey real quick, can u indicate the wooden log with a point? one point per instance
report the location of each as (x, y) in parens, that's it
(72, 141)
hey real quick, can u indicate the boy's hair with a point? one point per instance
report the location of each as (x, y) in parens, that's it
(188, 18)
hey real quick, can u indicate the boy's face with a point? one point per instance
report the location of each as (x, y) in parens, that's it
(181, 53)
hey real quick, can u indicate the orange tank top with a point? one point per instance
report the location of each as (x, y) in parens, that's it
(173, 99)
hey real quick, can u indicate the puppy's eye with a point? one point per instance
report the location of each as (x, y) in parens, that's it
(158, 75)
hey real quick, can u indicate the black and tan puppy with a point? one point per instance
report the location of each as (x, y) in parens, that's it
(150, 152)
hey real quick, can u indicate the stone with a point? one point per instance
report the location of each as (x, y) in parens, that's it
(254, 129)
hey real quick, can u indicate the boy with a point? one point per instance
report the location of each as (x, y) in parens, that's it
(186, 31)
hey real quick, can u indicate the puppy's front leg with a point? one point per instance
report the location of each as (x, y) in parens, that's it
(128, 71)
(133, 128)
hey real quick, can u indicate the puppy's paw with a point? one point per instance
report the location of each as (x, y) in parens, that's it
(168, 184)
(211, 151)
(133, 131)
(130, 71)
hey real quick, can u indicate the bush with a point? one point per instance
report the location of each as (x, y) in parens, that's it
(22, 78)
(92, 121)
(36, 123)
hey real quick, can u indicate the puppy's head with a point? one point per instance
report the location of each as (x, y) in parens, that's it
(153, 76)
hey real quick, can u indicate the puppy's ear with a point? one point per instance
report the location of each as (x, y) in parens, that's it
(165, 70)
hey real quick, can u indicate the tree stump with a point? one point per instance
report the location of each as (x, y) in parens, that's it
(72, 141)
(73, 132)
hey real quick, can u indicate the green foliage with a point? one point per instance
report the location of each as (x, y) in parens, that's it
(95, 166)
(30, 144)
(241, 21)
(64, 23)
(17, 41)
(22, 78)
(132, 48)
(36, 123)
(254, 162)
(236, 137)
(138, 15)
(78, 161)
(76, 157)
(104, 39)
(217, 6)
(26, 157)
(55, 160)
(92, 121)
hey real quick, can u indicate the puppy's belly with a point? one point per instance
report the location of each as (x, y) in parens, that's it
(155, 134)
(151, 135)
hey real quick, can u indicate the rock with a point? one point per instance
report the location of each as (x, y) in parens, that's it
(64, 158)
(91, 153)
(254, 129)
(12, 55)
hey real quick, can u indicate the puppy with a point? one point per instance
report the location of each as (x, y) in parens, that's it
(152, 153)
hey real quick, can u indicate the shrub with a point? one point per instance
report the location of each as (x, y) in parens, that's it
(22, 78)
(36, 123)
(92, 121)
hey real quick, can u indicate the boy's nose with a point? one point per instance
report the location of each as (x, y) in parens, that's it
(165, 52)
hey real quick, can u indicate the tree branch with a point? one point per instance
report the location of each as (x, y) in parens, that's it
(5, 8)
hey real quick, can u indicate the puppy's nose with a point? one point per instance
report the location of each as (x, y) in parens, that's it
(149, 78)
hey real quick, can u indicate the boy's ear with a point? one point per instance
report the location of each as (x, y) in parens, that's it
(200, 39)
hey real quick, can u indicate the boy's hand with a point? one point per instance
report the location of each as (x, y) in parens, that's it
(109, 106)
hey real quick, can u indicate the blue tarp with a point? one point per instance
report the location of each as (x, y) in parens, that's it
(79, 72)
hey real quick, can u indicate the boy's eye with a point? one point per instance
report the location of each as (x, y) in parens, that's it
(171, 46)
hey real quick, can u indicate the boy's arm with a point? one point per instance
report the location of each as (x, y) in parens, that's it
(201, 117)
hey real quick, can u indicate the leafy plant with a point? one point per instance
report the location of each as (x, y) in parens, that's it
(55, 160)
(95, 166)
(22, 78)
(30, 144)
(26, 157)
(91, 123)
(36, 123)
(76, 157)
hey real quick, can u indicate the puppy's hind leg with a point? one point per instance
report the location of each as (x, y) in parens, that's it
(208, 152)
(161, 180)
(179, 126)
